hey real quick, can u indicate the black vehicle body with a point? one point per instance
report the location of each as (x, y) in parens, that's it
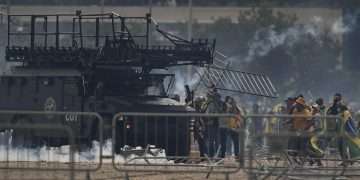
(116, 75)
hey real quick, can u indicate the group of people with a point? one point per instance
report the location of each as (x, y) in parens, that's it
(311, 128)
(212, 133)
(311, 133)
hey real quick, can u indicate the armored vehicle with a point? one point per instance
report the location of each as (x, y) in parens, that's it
(96, 63)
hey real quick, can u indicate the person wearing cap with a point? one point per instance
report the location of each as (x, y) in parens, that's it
(300, 109)
(299, 125)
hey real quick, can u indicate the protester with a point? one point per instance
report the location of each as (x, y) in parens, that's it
(315, 147)
(189, 96)
(258, 126)
(299, 124)
(337, 108)
(300, 109)
(290, 102)
(199, 127)
(321, 106)
(349, 143)
(308, 128)
(213, 105)
(229, 127)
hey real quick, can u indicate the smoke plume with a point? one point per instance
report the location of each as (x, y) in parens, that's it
(267, 39)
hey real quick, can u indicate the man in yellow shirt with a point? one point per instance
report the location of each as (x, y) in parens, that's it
(299, 124)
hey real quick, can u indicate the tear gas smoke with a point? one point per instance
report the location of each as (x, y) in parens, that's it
(267, 39)
(182, 78)
(62, 154)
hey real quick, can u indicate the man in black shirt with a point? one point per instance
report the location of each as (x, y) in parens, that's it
(336, 109)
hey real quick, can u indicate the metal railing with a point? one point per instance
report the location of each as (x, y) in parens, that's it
(174, 143)
(172, 132)
(320, 150)
(50, 141)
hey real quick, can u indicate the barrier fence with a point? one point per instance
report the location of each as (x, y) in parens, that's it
(325, 148)
(50, 141)
(167, 140)
(263, 146)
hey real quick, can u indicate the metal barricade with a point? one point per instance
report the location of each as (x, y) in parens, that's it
(50, 141)
(163, 142)
(321, 150)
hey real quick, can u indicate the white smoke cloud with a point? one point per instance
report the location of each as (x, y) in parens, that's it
(339, 27)
(317, 19)
(267, 39)
(9, 153)
(51, 154)
(182, 78)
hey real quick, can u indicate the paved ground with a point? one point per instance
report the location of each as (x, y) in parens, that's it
(107, 172)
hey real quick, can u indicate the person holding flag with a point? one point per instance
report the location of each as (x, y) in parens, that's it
(349, 141)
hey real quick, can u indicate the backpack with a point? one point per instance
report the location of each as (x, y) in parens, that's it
(234, 122)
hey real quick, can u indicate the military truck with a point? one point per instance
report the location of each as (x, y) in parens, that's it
(95, 63)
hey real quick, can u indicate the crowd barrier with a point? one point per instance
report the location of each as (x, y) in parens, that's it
(325, 150)
(50, 141)
(267, 146)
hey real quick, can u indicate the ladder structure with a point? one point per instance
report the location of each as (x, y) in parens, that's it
(226, 79)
